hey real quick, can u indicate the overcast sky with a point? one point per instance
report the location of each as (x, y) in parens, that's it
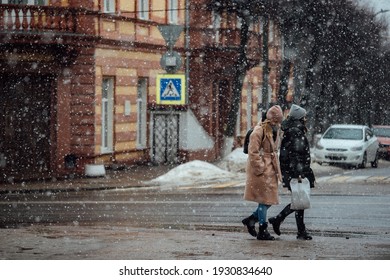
(378, 5)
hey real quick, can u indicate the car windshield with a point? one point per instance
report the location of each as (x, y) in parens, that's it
(344, 133)
(382, 131)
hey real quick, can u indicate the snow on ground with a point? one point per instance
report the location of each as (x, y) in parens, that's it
(232, 167)
(194, 172)
(234, 162)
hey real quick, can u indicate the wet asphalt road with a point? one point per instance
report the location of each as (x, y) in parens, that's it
(347, 221)
(205, 208)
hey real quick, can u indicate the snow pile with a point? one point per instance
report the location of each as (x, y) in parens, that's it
(235, 161)
(194, 172)
(197, 172)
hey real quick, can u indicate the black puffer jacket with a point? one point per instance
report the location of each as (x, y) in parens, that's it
(295, 153)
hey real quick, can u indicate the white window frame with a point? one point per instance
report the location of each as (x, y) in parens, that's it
(259, 102)
(261, 26)
(173, 8)
(238, 121)
(107, 116)
(251, 26)
(143, 9)
(271, 27)
(239, 23)
(109, 6)
(142, 93)
(216, 20)
(249, 106)
(270, 93)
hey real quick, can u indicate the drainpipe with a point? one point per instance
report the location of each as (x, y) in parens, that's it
(265, 62)
(187, 46)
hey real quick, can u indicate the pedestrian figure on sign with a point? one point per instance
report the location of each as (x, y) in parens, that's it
(170, 91)
(294, 163)
(263, 172)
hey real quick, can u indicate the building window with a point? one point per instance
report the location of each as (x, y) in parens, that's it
(238, 121)
(142, 93)
(143, 9)
(259, 103)
(109, 6)
(249, 106)
(107, 115)
(251, 26)
(261, 25)
(239, 22)
(271, 31)
(172, 11)
(216, 18)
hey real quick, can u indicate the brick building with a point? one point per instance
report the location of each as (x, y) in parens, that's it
(80, 84)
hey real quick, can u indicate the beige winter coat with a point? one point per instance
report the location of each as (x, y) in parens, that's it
(263, 171)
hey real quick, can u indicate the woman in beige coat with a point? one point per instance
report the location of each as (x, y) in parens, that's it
(263, 171)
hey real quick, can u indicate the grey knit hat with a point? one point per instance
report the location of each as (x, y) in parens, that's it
(297, 112)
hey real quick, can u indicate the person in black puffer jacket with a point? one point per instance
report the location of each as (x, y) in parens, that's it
(294, 162)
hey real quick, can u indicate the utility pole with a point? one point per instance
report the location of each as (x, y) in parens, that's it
(187, 47)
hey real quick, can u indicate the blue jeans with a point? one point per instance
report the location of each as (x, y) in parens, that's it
(261, 213)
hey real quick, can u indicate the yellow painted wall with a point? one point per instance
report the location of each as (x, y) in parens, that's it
(112, 53)
(110, 62)
(125, 146)
(109, 25)
(126, 72)
(126, 157)
(127, 5)
(126, 65)
(125, 127)
(159, 8)
(126, 27)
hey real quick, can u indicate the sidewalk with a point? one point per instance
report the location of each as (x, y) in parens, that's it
(133, 176)
(52, 242)
(136, 176)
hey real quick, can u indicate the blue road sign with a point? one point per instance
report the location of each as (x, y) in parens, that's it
(171, 89)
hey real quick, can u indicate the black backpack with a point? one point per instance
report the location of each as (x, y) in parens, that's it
(246, 141)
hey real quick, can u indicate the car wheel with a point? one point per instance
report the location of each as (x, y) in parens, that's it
(374, 164)
(364, 161)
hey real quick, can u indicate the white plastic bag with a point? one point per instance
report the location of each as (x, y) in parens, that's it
(300, 194)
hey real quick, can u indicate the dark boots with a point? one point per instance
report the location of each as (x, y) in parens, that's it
(250, 224)
(299, 216)
(302, 234)
(263, 233)
(276, 221)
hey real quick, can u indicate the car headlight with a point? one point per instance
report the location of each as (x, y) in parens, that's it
(319, 146)
(358, 148)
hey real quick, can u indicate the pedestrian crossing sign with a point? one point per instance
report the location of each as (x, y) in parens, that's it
(171, 89)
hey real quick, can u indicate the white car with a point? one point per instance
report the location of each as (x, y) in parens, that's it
(352, 145)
